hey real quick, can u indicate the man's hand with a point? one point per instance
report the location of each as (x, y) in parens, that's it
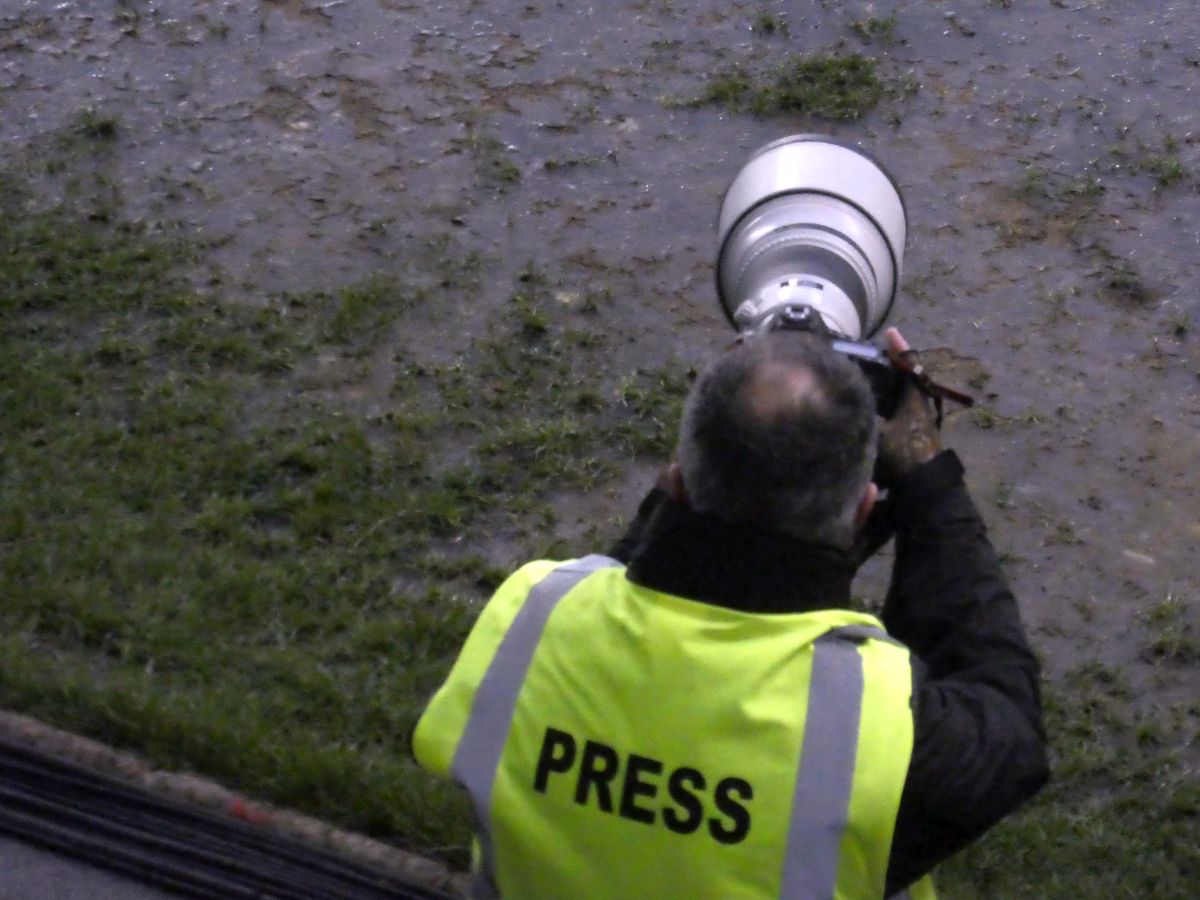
(910, 437)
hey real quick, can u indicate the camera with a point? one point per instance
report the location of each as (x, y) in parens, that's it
(811, 235)
(811, 222)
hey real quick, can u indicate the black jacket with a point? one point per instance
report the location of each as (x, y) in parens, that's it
(979, 744)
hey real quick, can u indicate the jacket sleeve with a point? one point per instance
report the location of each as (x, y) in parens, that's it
(979, 744)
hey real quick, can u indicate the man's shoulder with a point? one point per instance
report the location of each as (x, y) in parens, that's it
(530, 573)
(536, 570)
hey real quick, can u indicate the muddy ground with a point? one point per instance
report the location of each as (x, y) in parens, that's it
(1047, 151)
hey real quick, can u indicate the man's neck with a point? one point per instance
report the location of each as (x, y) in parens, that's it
(703, 558)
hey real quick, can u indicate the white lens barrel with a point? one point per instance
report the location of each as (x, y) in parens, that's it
(812, 221)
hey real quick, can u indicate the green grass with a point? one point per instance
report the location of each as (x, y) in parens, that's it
(1056, 193)
(1166, 168)
(91, 123)
(1174, 639)
(771, 24)
(493, 162)
(876, 29)
(843, 87)
(207, 557)
(1120, 815)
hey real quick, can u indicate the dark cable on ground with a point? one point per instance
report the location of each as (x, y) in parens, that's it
(70, 811)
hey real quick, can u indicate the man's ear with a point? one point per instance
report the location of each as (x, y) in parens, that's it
(672, 483)
(866, 504)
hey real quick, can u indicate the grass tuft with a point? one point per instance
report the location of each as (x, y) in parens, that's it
(95, 125)
(829, 87)
(493, 162)
(876, 29)
(1167, 169)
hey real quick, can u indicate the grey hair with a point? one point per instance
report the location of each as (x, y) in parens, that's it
(780, 432)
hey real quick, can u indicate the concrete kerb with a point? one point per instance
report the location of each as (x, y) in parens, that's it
(135, 771)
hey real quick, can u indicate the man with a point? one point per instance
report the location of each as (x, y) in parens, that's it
(701, 715)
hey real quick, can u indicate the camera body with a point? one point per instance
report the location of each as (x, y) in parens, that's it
(886, 380)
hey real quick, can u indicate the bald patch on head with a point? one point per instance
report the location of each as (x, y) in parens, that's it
(778, 389)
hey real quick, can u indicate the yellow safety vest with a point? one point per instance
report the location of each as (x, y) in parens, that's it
(620, 742)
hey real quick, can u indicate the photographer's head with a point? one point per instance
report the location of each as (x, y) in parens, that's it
(780, 433)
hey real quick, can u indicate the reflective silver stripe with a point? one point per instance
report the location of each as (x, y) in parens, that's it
(861, 633)
(821, 801)
(477, 756)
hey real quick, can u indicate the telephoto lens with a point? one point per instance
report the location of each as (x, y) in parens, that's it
(811, 222)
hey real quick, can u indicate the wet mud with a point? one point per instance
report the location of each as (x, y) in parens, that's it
(1048, 156)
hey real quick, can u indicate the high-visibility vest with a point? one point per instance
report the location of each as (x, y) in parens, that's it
(617, 741)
